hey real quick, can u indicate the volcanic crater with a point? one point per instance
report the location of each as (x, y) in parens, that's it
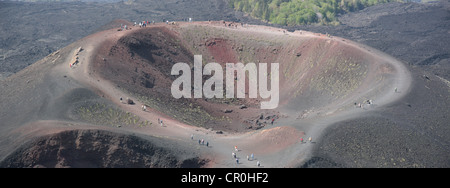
(319, 74)
(322, 78)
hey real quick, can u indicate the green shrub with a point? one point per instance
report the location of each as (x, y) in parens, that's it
(300, 12)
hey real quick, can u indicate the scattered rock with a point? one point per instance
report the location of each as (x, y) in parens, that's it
(227, 111)
(129, 101)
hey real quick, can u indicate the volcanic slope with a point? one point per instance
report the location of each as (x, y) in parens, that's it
(321, 80)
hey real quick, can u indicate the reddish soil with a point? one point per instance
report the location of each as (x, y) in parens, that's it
(221, 50)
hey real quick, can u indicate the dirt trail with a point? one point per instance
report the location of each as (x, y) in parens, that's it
(275, 146)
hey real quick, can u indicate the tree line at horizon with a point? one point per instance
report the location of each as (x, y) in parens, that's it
(301, 12)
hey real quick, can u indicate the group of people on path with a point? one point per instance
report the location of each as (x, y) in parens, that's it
(200, 141)
(233, 154)
(144, 23)
(141, 25)
(249, 158)
(368, 102)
